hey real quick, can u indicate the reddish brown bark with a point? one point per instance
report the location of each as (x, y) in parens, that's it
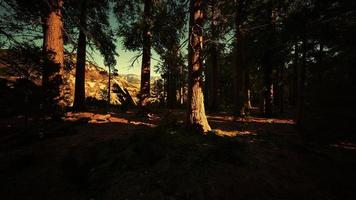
(196, 118)
(53, 81)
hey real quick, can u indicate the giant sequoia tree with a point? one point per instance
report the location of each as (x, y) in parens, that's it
(196, 118)
(53, 82)
(50, 13)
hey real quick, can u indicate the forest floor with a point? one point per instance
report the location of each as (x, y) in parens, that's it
(93, 155)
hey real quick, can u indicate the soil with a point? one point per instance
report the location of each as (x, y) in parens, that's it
(95, 155)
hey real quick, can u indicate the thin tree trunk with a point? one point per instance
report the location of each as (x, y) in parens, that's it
(181, 85)
(320, 63)
(53, 80)
(268, 92)
(196, 118)
(79, 95)
(294, 88)
(239, 96)
(268, 66)
(109, 87)
(301, 85)
(146, 59)
(215, 94)
(248, 90)
(172, 77)
(281, 90)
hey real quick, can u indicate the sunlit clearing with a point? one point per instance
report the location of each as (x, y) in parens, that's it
(93, 118)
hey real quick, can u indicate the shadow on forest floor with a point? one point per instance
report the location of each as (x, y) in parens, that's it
(93, 155)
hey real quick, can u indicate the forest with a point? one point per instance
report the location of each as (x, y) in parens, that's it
(232, 99)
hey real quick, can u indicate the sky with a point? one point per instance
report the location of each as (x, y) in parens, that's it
(125, 58)
(124, 61)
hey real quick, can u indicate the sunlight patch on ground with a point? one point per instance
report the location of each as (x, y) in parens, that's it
(266, 120)
(223, 133)
(93, 118)
(345, 145)
(251, 119)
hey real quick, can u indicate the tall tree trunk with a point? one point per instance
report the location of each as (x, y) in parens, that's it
(268, 65)
(109, 87)
(320, 63)
(79, 95)
(215, 94)
(281, 89)
(294, 86)
(268, 90)
(196, 118)
(53, 79)
(301, 85)
(181, 85)
(248, 90)
(278, 89)
(239, 95)
(146, 58)
(172, 78)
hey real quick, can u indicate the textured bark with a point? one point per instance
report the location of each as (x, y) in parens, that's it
(53, 81)
(79, 95)
(146, 58)
(196, 118)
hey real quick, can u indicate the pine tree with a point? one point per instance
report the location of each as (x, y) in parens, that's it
(196, 118)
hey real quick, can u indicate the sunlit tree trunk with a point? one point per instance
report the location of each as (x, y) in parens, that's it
(53, 79)
(146, 57)
(79, 95)
(196, 118)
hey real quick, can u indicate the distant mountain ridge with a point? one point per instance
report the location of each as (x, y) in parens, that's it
(96, 78)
